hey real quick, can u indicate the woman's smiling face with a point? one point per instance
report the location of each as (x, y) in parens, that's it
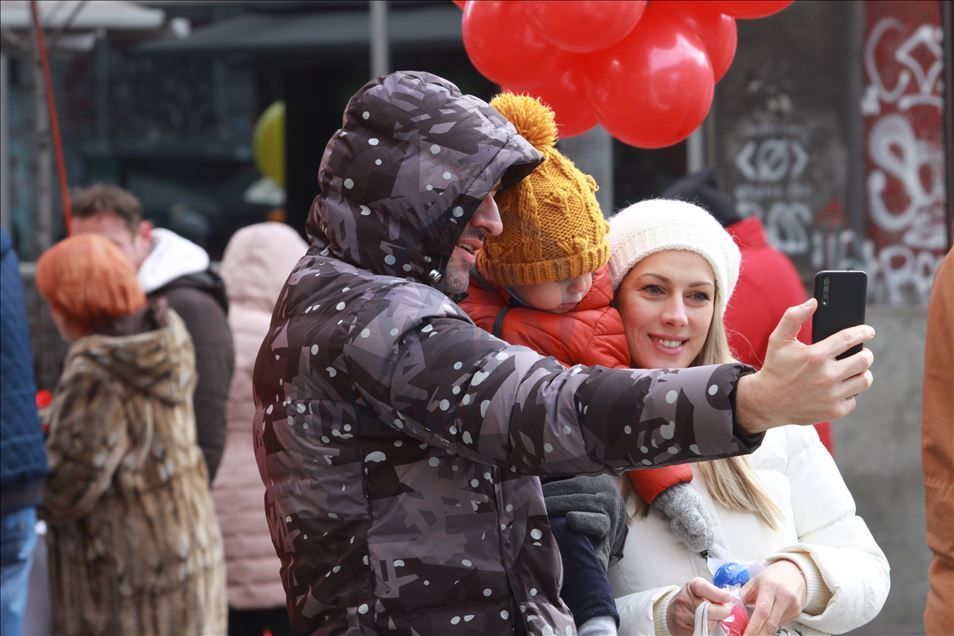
(666, 301)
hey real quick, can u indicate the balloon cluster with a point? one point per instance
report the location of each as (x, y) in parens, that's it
(645, 70)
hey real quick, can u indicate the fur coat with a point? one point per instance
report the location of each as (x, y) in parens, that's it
(134, 543)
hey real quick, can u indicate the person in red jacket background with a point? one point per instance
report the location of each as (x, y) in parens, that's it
(768, 281)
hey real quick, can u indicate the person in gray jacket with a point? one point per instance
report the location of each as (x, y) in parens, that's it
(400, 444)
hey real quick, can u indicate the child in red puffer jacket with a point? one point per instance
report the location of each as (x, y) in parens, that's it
(543, 283)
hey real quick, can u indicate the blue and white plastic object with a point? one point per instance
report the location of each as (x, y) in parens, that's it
(732, 577)
(731, 574)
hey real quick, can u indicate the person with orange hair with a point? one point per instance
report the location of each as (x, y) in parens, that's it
(134, 543)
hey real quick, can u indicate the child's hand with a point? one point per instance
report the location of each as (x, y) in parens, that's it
(681, 613)
(592, 506)
(778, 593)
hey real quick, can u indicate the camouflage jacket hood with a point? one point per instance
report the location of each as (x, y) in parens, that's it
(399, 443)
(406, 171)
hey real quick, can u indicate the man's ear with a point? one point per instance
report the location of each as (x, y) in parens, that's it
(143, 240)
(144, 232)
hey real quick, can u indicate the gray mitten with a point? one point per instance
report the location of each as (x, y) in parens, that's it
(689, 519)
(594, 524)
(592, 506)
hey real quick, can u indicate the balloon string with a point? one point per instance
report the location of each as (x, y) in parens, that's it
(54, 122)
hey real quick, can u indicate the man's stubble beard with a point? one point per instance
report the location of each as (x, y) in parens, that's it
(456, 277)
(457, 273)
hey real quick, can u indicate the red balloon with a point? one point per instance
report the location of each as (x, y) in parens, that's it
(567, 97)
(688, 6)
(503, 44)
(751, 8)
(584, 26)
(736, 622)
(655, 87)
(716, 30)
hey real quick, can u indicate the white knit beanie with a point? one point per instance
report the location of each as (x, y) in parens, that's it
(657, 225)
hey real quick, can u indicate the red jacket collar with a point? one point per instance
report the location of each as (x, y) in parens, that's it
(748, 233)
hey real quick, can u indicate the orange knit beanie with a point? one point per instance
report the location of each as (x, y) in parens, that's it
(553, 228)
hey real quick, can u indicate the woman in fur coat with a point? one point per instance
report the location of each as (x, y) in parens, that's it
(134, 544)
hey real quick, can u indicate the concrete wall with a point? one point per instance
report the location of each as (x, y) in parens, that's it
(878, 448)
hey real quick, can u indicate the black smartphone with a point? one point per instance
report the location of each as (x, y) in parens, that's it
(841, 298)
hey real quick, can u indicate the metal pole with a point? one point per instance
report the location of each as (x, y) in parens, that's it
(4, 146)
(44, 60)
(43, 228)
(380, 45)
(695, 151)
(592, 152)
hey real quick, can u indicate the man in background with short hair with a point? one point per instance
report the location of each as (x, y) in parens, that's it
(171, 266)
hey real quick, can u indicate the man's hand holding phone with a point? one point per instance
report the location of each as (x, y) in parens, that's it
(804, 384)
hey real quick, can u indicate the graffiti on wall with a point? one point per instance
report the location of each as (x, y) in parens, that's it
(902, 109)
(771, 160)
(792, 173)
(832, 200)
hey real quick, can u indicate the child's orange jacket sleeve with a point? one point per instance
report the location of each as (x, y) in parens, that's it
(592, 334)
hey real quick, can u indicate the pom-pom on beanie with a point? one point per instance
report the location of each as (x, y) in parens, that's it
(658, 225)
(553, 228)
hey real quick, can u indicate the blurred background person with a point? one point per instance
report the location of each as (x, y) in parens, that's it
(768, 281)
(256, 262)
(134, 544)
(937, 449)
(178, 269)
(22, 458)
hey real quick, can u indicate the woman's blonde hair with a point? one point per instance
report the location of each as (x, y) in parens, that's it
(88, 281)
(730, 481)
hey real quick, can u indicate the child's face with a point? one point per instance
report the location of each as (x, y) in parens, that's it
(556, 297)
(666, 302)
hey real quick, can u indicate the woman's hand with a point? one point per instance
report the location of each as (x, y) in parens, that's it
(681, 613)
(804, 384)
(778, 594)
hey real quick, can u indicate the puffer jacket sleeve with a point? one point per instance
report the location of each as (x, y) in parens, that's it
(88, 439)
(452, 385)
(837, 541)
(636, 617)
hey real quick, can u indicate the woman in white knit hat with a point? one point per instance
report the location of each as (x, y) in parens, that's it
(784, 507)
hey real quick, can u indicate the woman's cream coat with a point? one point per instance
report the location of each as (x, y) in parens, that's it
(820, 527)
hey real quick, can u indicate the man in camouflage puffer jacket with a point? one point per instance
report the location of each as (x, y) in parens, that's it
(399, 443)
